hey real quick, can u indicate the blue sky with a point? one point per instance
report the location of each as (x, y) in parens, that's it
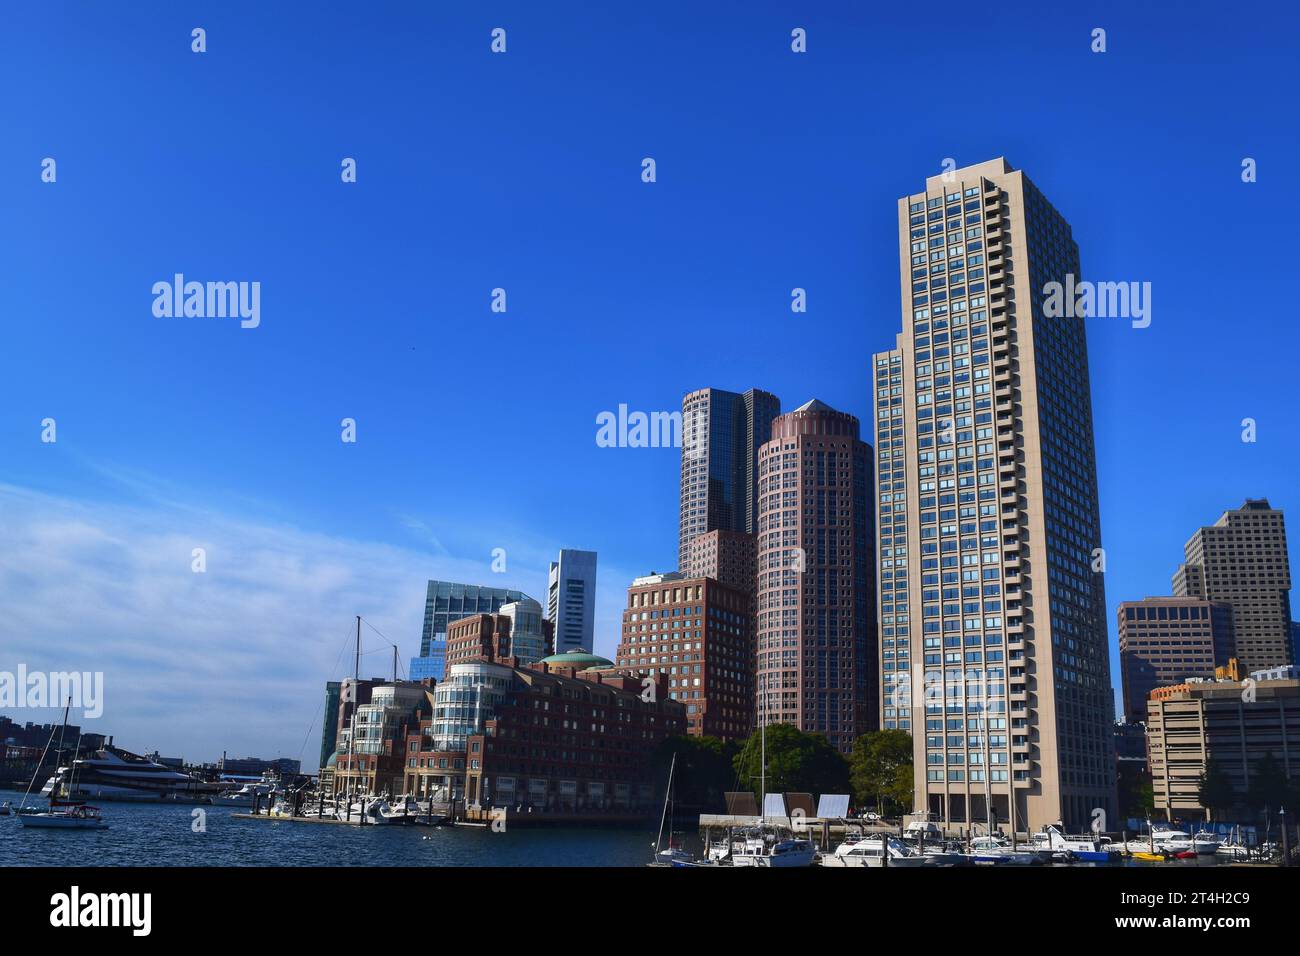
(522, 171)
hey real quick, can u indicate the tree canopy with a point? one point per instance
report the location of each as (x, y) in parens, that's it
(880, 770)
(797, 762)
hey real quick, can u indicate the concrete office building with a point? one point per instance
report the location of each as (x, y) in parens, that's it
(1167, 640)
(816, 624)
(571, 600)
(721, 435)
(1241, 559)
(1229, 722)
(698, 634)
(993, 626)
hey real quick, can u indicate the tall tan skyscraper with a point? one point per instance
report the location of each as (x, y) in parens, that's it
(816, 622)
(1242, 560)
(994, 650)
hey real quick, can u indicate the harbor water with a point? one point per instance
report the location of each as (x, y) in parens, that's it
(153, 834)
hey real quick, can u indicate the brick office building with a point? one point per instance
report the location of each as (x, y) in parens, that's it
(698, 635)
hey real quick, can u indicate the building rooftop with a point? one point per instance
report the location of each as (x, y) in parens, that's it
(577, 658)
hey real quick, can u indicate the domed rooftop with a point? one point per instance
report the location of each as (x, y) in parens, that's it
(577, 658)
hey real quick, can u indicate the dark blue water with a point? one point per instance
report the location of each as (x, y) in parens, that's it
(162, 835)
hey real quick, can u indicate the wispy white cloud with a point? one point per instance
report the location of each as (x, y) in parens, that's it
(234, 658)
(231, 659)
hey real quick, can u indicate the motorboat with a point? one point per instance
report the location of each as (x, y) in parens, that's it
(870, 852)
(999, 851)
(673, 856)
(246, 796)
(719, 851)
(788, 852)
(1206, 843)
(409, 810)
(1164, 840)
(367, 812)
(1086, 849)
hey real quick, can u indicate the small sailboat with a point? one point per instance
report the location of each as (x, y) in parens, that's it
(62, 814)
(672, 855)
(768, 848)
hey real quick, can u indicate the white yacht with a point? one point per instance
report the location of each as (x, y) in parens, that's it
(870, 852)
(1163, 840)
(779, 853)
(1206, 843)
(116, 774)
(1088, 849)
(719, 850)
(245, 796)
(376, 813)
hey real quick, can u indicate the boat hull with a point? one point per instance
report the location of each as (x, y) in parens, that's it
(60, 821)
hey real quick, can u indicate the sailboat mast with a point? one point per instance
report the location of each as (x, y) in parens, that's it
(352, 736)
(72, 767)
(659, 839)
(762, 764)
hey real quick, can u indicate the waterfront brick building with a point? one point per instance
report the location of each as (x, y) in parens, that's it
(728, 557)
(567, 735)
(497, 636)
(1167, 640)
(816, 622)
(697, 635)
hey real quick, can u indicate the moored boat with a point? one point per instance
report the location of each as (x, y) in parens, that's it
(789, 852)
(871, 852)
(1085, 849)
(998, 851)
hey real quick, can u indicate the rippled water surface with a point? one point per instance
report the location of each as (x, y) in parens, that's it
(162, 835)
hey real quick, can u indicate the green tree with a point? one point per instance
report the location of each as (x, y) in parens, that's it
(880, 770)
(797, 762)
(1216, 792)
(1269, 788)
(704, 771)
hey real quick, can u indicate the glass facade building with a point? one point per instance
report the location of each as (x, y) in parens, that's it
(721, 435)
(444, 602)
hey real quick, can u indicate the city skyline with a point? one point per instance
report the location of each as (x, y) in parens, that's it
(177, 434)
